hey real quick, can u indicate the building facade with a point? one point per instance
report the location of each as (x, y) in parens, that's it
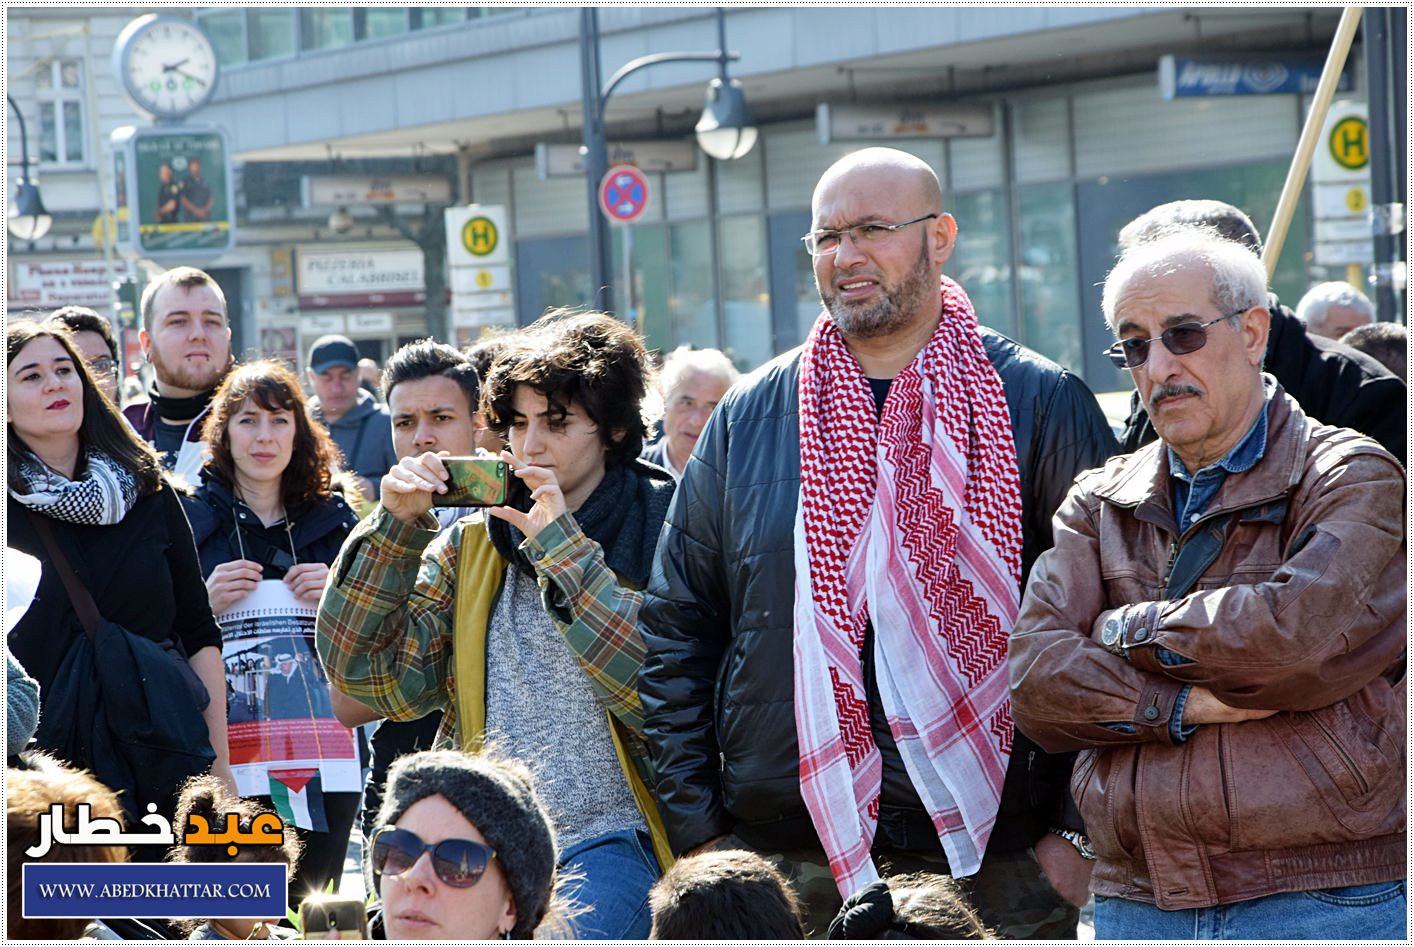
(1072, 138)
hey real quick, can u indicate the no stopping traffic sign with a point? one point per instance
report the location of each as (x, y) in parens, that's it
(623, 194)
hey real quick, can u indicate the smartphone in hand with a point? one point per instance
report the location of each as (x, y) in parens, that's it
(474, 481)
(329, 917)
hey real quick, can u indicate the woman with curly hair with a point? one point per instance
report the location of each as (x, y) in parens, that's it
(266, 512)
(521, 625)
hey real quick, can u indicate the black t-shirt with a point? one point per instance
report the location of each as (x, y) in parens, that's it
(167, 438)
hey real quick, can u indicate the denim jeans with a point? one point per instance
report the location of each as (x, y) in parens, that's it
(611, 875)
(1359, 912)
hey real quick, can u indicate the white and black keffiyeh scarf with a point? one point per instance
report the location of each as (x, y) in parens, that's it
(101, 496)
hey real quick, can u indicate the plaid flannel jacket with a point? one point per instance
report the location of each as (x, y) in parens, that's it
(386, 620)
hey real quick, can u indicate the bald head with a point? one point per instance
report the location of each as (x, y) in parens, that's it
(880, 168)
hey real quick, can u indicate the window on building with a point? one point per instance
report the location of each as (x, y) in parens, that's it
(377, 22)
(61, 123)
(227, 32)
(427, 17)
(981, 259)
(325, 28)
(746, 297)
(271, 32)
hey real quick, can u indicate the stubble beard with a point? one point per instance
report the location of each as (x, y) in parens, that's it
(180, 376)
(896, 307)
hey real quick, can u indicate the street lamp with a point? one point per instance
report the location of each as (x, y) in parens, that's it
(725, 130)
(26, 218)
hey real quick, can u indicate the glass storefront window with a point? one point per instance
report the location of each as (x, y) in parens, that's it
(326, 28)
(647, 307)
(271, 33)
(384, 21)
(981, 260)
(227, 32)
(429, 17)
(745, 294)
(1050, 273)
(692, 313)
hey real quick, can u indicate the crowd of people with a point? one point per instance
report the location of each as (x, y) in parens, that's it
(890, 638)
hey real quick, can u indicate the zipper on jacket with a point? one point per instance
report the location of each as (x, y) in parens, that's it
(1168, 566)
(1341, 752)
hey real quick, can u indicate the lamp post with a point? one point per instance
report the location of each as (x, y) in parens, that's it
(724, 131)
(26, 218)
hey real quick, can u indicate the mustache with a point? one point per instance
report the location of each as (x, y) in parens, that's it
(1164, 392)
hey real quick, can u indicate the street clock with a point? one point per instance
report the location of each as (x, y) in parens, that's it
(167, 65)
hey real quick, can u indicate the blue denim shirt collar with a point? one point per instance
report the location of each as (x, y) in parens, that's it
(1193, 492)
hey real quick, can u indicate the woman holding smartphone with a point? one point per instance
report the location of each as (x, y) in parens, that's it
(266, 514)
(540, 597)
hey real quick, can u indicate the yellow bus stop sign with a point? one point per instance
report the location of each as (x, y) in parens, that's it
(1350, 143)
(480, 237)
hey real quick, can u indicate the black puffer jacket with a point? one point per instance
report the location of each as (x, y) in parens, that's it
(317, 530)
(717, 686)
(1332, 382)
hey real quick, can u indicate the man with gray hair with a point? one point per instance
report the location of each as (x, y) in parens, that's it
(1333, 309)
(1330, 381)
(692, 382)
(1220, 628)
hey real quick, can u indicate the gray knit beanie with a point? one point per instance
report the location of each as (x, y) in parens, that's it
(498, 797)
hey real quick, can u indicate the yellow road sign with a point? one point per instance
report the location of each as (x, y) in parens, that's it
(1350, 143)
(480, 237)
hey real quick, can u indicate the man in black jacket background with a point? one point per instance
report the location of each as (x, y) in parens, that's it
(721, 613)
(1332, 382)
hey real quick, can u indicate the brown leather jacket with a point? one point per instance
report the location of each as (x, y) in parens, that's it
(1302, 611)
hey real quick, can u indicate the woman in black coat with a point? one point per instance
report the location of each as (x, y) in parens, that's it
(266, 511)
(75, 465)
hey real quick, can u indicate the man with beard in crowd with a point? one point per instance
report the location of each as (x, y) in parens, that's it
(827, 619)
(187, 339)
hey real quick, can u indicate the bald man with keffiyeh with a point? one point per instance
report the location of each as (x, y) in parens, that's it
(828, 617)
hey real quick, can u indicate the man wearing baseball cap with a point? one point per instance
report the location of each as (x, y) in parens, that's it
(361, 427)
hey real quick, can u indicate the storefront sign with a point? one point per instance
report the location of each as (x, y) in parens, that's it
(341, 190)
(893, 122)
(51, 285)
(567, 161)
(1181, 76)
(332, 279)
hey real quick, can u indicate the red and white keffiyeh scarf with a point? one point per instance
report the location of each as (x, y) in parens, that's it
(913, 520)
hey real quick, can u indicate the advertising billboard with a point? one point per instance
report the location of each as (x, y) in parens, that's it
(179, 190)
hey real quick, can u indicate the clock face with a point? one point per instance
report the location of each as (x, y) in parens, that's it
(167, 65)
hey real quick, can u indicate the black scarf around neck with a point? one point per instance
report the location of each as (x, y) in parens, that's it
(178, 410)
(623, 515)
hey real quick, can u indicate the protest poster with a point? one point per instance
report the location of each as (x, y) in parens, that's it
(284, 740)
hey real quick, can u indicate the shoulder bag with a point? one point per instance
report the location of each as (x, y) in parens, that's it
(124, 706)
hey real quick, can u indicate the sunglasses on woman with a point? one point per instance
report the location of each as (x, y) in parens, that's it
(1180, 340)
(458, 862)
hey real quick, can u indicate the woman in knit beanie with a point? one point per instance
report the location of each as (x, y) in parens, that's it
(442, 800)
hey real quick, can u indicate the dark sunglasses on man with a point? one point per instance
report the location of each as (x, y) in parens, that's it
(1183, 339)
(458, 862)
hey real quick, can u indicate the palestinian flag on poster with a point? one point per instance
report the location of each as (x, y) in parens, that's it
(298, 796)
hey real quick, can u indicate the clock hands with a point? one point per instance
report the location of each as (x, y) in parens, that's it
(177, 68)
